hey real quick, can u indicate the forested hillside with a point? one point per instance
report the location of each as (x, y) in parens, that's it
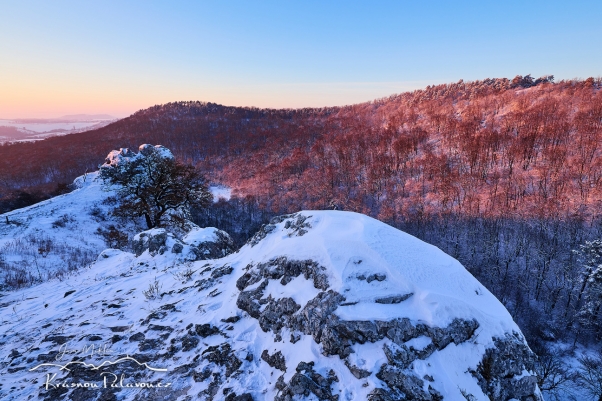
(504, 175)
(497, 147)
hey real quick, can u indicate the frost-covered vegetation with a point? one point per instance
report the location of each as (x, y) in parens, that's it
(58, 236)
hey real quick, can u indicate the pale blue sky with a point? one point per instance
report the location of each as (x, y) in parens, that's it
(66, 57)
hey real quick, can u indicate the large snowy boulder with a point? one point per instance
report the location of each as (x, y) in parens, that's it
(198, 244)
(319, 305)
(405, 319)
(125, 155)
(209, 242)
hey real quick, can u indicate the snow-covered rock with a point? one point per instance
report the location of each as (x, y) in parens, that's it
(209, 242)
(123, 155)
(153, 240)
(319, 305)
(198, 244)
(148, 149)
(115, 157)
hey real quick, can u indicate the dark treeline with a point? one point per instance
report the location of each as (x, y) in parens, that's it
(529, 265)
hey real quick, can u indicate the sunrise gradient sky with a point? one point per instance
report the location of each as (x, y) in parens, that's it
(115, 57)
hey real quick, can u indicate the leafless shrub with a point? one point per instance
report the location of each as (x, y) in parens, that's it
(18, 278)
(555, 379)
(45, 247)
(59, 274)
(47, 257)
(153, 291)
(185, 275)
(62, 221)
(114, 238)
(98, 214)
(18, 246)
(589, 375)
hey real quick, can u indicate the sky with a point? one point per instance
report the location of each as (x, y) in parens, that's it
(116, 57)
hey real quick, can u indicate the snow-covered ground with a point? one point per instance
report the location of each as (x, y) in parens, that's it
(58, 235)
(334, 289)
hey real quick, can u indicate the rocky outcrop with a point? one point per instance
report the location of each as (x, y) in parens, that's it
(501, 371)
(152, 240)
(338, 337)
(307, 382)
(222, 355)
(198, 244)
(125, 155)
(291, 316)
(209, 243)
(284, 270)
(295, 224)
(276, 361)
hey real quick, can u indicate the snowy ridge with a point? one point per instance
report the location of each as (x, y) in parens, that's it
(353, 246)
(318, 305)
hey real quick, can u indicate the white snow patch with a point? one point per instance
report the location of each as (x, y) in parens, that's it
(199, 235)
(220, 192)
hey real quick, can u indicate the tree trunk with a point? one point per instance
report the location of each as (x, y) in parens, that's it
(149, 222)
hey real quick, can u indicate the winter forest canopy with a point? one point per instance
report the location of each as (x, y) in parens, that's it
(524, 148)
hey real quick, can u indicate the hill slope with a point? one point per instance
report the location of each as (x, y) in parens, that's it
(56, 236)
(487, 148)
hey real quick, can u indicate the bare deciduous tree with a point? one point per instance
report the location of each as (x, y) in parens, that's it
(152, 183)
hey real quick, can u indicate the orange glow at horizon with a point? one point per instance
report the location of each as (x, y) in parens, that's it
(52, 99)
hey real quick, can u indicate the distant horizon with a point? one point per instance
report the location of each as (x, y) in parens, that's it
(67, 117)
(355, 90)
(117, 115)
